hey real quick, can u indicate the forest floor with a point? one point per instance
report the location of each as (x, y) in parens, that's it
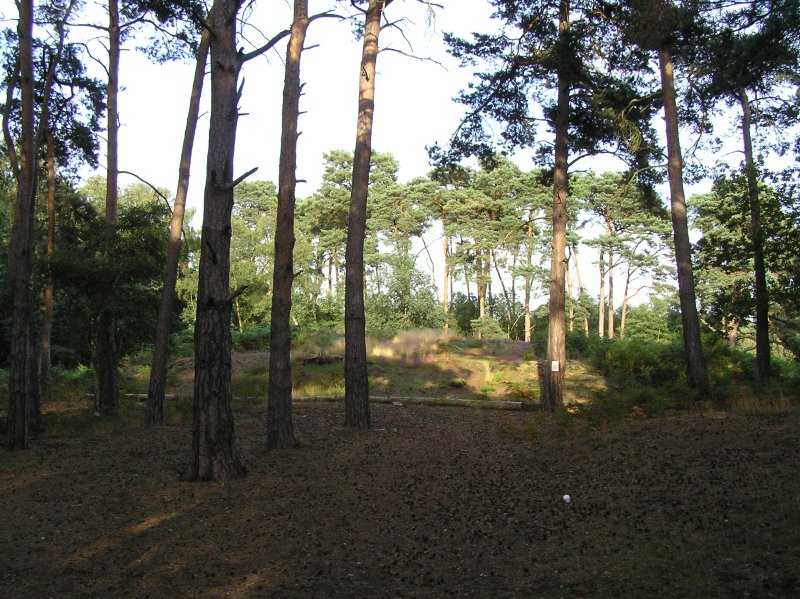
(430, 502)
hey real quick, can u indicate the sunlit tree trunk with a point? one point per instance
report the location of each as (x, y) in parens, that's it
(356, 381)
(624, 316)
(695, 360)
(280, 428)
(601, 312)
(156, 392)
(580, 286)
(571, 297)
(214, 452)
(759, 268)
(446, 279)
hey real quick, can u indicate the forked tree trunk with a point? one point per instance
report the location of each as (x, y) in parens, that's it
(695, 360)
(280, 428)
(45, 374)
(106, 350)
(21, 247)
(214, 452)
(356, 380)
(553, 370)
(757, 236)
(157, 388)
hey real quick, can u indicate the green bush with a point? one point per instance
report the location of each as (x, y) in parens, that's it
(253, 339)
(649, 363)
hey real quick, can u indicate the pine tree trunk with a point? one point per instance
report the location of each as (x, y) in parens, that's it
(580, 287)
(106, 349)
(446, 280)
(624, 316)
(214, 453)
(553, 384)
(157, 388)
(610, 303)
(601, 312)
(356, 381)
(21, 246)
(695, 360)
(45, 374)
(570, 295)
(280, 428)
(757, 236)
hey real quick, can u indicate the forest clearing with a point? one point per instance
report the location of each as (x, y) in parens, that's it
(430, 502)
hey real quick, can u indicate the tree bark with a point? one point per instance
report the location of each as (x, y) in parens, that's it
(106, 349)
(553, 387)
(157, 388)
(280, 428)
(446, 280)
(759, 268)
(695, 360)
(624, 317)
(21, 247)
(45, 374)
(610, 303)
(528, 276)
(214, 452)
(580, 287)
(571, 297)
(356, 381)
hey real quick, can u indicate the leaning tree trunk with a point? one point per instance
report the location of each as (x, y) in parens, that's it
(757, 236)
(21, 247)
(695, 360)
(106, 349)
(156, 391)
(214, 453)
(45, 374)
(280, 429)
(356, 381)
(553, 370)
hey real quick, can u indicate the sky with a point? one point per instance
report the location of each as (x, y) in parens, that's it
(414, 98)
(414, 106)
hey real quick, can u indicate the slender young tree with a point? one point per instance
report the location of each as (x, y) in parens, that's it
(356, 379)
(156, 391)
(280, 428)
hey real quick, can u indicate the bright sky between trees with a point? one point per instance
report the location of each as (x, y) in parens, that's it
(414, 105)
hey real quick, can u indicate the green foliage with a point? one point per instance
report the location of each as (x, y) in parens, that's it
(251, 339)
(645, 362)
(463, 311)
(488, 328)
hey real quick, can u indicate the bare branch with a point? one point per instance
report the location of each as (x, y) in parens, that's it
(420, 58)
(266, 47)
(236, 182)
(151, 186)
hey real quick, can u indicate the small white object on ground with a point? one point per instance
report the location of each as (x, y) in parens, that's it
(567, 499)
